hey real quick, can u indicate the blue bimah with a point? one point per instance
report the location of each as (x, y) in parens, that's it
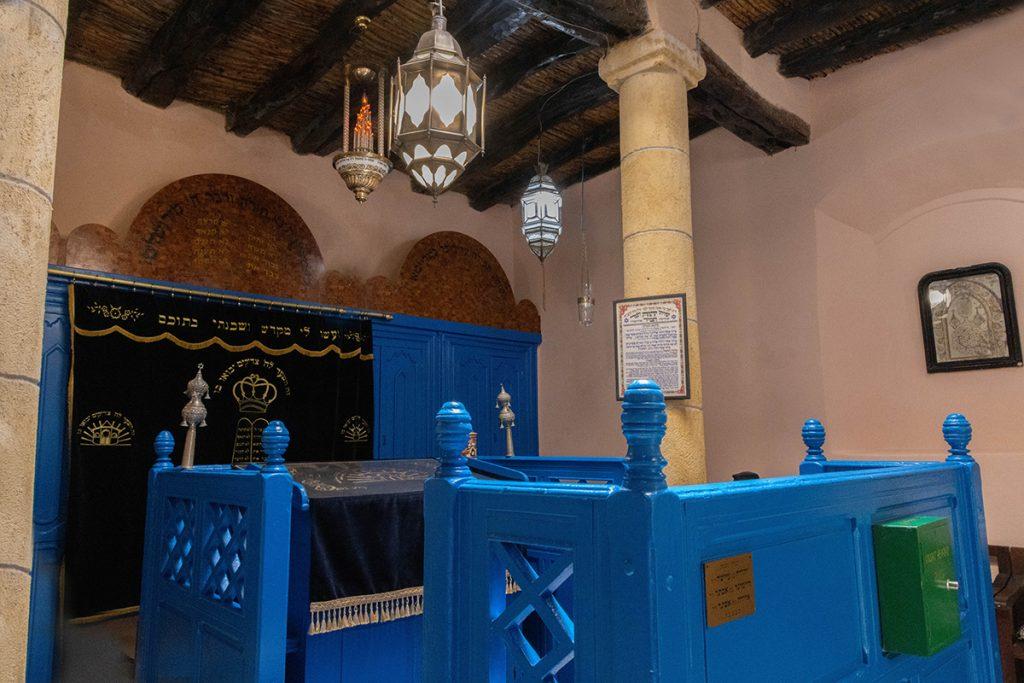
(298, 571)
(866, 571)
(307, 571)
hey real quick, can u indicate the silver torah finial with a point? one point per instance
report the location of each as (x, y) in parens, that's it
(506, 419)
(194, 415)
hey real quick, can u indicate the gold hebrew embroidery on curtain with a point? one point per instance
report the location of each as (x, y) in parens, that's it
(233, 348)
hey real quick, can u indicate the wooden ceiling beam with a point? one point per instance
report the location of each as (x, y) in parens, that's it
(508, 189)
(804, 19)
(878, 36)
(726, 99)
(721, 99)
(598, 22)
(547, 111)
(494, 20)
(177, 48)
(507, 74)
(479, 25)
(337, 35)
(75, 10)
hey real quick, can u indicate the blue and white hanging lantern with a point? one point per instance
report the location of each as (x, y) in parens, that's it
(438, 117)
(542, 213)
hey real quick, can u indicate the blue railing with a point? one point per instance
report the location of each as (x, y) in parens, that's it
(547, 581)
(215, 572)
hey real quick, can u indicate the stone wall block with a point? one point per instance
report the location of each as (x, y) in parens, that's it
(24, 250)
(31, 63)
(57, 9)
(658, 262)
(18, 416)
(684, 439)
(14, 600)
(659, 194)
(654, 107)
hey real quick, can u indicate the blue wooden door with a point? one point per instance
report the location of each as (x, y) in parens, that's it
(474, 373)
(515, 368)
(467, 380)
(49, 506)
(406, 394)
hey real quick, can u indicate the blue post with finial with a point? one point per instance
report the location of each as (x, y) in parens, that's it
(440, 557)
(643, 503)
(643, 425)
(956, 430)
(453, 425)
(970, 517)
(163, 446)
(275, 442)
(813, 433)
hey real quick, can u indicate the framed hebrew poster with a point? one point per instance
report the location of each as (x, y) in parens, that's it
(968, 319)
(651, 343)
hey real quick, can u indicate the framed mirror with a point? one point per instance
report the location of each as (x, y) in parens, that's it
(969, 319)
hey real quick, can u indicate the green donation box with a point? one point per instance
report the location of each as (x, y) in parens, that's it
(917, 587)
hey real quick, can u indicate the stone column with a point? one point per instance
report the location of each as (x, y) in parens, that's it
(652, 74)
(31, 62)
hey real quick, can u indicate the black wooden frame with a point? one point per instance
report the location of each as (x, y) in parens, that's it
(1013, 359)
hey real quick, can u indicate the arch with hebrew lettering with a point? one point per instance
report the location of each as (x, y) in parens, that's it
(231, 233)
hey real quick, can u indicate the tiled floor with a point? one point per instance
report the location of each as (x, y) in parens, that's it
(103, 652)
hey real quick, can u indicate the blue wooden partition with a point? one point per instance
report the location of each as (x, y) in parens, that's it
(411, 357)
(610, 578)
(215, 588)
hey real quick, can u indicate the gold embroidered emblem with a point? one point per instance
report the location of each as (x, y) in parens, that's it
(355, 430)
(254, 394)
(105, 428)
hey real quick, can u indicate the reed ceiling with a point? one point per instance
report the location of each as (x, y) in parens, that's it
(279, 64)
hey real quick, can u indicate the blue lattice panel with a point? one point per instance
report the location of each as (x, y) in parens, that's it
(535, 626)
(224, 553)
(178, 541)
(215, 577)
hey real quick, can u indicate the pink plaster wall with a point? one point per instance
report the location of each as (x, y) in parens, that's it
(114, 152)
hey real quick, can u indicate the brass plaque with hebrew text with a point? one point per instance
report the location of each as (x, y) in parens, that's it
(729, 589)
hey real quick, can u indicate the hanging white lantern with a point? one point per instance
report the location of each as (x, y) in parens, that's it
(438, 119)
(542, 213)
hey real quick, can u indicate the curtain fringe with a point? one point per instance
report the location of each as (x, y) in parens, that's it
(334, 615)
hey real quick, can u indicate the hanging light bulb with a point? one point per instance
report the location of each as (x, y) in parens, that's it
(438, 119)
(542, 213)
(585, 301)
(585, 306)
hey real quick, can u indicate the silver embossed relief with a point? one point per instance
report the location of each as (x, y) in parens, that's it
(968, 319)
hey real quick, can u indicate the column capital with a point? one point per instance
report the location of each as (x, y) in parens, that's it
(655, 51)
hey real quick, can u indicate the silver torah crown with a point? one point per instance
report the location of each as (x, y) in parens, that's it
(506, 419)
(194, 412)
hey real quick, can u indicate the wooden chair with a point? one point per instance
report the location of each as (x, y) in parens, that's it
(1008, 588)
